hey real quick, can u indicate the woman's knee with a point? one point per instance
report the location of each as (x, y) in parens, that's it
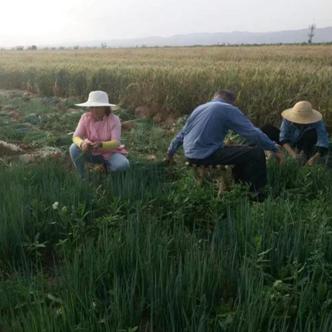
(74, 150)
(118, 163)
(76, 155)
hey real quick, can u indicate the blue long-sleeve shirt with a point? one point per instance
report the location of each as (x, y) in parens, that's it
(291, 133)
(207, 126)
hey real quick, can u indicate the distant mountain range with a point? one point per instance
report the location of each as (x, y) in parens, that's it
(322, 35)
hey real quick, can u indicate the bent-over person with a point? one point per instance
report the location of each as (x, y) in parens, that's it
(302, 133)
(203, 136)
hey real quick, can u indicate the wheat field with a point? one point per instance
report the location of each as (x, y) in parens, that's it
(267, 79)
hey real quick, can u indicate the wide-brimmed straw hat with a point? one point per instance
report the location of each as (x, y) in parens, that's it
(97, 99)
(302, 113)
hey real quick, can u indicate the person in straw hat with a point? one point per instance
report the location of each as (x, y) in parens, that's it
(97, 136)
(302, 133)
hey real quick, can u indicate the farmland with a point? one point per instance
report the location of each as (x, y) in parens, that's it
(268, 79)
(151, 249)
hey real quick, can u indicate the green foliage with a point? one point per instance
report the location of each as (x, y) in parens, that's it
(153, 250)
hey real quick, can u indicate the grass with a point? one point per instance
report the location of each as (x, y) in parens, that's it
(152, 252)
(143, 265)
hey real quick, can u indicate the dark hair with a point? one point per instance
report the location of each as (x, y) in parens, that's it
(227, 95)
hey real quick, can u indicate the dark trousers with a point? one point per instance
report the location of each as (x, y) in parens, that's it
(307, 142)
(249, 163)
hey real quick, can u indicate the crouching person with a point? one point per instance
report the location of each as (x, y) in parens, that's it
(203, 136)
(97, 136)
(302, 133)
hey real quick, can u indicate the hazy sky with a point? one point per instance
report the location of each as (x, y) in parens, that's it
(24, 22)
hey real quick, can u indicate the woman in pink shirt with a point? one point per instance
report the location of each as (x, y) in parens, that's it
(97, 136)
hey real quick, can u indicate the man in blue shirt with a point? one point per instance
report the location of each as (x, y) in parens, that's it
(203, 136)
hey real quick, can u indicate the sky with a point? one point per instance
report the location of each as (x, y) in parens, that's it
(45, 22)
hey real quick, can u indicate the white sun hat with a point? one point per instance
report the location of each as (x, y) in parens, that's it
(97, 99)
(302, 113)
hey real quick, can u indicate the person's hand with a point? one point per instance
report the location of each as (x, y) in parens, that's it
(310, 162)
(169, 160)
(293, 153)
(299, 158)
(313, 160)
(86, 145)
(97, 145)
(279, 156)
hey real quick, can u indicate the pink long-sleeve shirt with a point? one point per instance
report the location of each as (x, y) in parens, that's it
(107, 129)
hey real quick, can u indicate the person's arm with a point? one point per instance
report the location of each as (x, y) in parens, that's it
(80, 134)
(313, 160)
(110, 145)
(285, 132)
(239, 123)
(322, 143)
(285, 138)
(176, 143)
(78, 141)
(290, 150)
